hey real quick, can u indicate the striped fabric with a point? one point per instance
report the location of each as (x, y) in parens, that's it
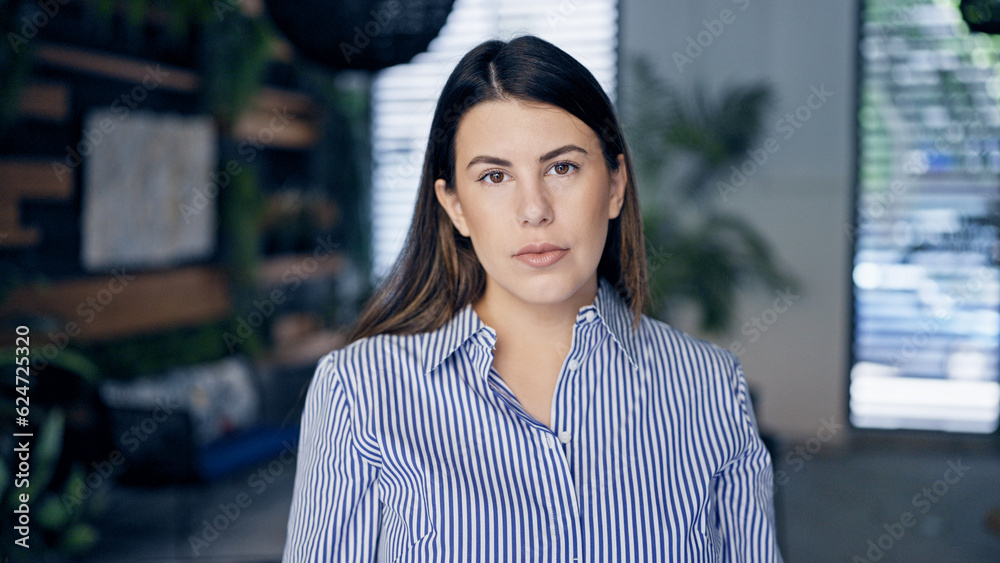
(414, 449)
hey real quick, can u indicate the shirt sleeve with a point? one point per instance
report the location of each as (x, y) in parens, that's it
(335, 504)
(744, 488)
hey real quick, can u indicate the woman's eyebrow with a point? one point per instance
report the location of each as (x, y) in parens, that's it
(496, 161)
(488, 160)
(561, 150)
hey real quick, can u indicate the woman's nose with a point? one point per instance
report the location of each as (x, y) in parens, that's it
(534, 207)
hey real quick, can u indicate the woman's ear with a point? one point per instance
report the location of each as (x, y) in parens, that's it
(449, 201)
(619, 179)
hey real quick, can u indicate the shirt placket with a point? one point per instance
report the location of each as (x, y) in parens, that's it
(556, 443)
(560, 498)
(556, 479)
(560, 439)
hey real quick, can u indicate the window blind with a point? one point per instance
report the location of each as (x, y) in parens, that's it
(926, 292)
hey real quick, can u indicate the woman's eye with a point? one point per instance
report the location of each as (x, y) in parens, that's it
(494, 177)
(562, 168)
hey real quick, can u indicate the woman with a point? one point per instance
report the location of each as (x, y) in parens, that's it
(503, 396)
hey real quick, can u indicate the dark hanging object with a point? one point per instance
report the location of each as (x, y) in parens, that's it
(982, 16)
(360, 34)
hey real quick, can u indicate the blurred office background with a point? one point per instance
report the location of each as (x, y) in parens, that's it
(197, 197)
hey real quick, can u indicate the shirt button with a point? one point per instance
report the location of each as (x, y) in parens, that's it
(573, 364)
(565, 436)
(589, 316)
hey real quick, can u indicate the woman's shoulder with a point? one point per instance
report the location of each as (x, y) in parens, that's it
(706, 375)
(367, 353)
(668, 343)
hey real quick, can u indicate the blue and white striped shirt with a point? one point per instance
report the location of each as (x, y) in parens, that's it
(414, 449)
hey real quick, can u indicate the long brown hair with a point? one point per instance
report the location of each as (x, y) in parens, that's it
(438, 273)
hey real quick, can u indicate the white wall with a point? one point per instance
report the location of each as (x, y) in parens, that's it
(800, 199)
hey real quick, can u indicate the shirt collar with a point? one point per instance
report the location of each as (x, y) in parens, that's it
(608, 308)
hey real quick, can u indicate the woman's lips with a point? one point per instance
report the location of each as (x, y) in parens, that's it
(542, 259)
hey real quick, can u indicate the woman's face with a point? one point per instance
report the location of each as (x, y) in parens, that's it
(533, 174)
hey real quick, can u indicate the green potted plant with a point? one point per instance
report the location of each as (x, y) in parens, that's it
(685, 148)
(53, 497)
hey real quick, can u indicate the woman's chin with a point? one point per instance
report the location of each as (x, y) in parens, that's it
(543, 290)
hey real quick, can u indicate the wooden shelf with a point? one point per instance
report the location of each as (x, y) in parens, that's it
(47, 101)
(126, 69)
(280, 118)
(27, 179)
(119, 306)
(275, 269)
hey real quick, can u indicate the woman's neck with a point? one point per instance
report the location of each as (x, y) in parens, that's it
(521, 325)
